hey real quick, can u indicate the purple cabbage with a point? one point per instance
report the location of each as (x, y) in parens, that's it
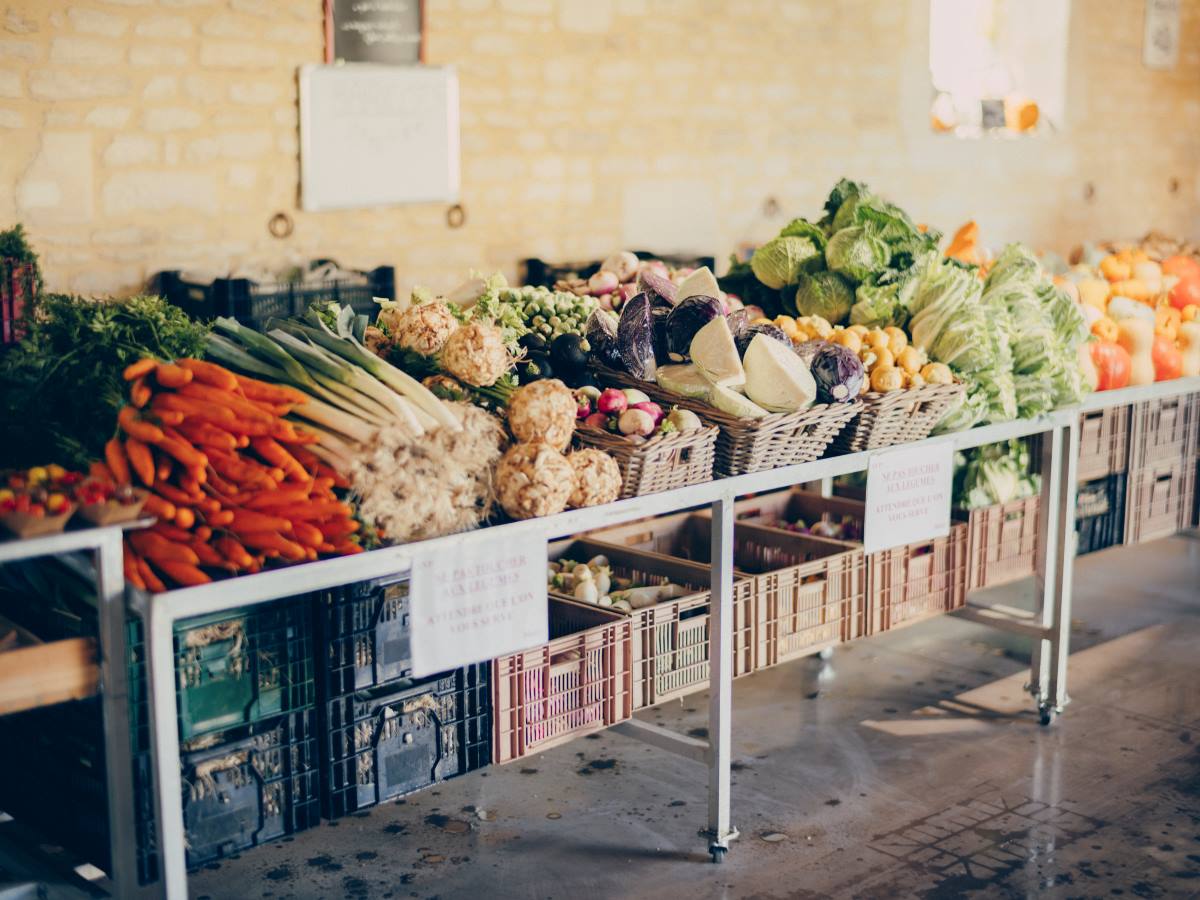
(650, 282)
(838, 373)
(744, 336)
(660, 309)
(635, 338)
(807, 350)
(685, 319)
(601, 335)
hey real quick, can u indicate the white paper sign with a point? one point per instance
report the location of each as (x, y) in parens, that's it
(1160, 40)
(477, 602)
(908, 496)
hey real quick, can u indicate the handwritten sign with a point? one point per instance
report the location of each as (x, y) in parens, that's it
(377, 31)
(476, 603)
(908, 496)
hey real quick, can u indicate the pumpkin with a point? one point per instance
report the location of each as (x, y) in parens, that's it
(1187, 289)
(1113, 365)
(1105, 329)
(1166, 322)
(1168, 361)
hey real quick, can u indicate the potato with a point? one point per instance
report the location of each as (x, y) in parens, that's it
(885, 379)
(897, 339)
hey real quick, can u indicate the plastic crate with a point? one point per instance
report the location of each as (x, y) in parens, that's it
(1163, 431)
(1100, 514)
(253, 303)
(384, 745)
(671, 639)
(1103, 442)
(18, 295)
(1002, 542)
(1160, 500)
(234, 669)
(904, 584)
(572, 685)
(806, 593)
(364, 635)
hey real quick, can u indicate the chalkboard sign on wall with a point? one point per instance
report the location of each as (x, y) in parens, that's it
(375, 31)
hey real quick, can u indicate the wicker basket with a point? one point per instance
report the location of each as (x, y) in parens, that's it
(897, 417)
(661, 463)
(754, 445)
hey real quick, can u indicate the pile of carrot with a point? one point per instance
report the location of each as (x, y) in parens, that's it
(233, 485)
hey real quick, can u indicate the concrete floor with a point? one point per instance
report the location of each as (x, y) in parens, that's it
(908, 765)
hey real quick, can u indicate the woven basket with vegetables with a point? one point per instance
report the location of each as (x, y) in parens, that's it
(655, 451)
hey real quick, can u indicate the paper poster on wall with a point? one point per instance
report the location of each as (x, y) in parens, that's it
(1160, 40)
(476, 603)
(375, 31)
(908, 496)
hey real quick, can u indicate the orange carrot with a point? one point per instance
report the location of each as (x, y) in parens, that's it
(322, 485)
(305, 457)
(169, 417)
(140, 460)
(182, 573)
(139, 393)
(290, 434)
(172, 532)
(184, 517)
(176, 445)
(128, 419)
(118, 462)
(153, 582)
(208, 506)
(325, 471)
(171, 376)
(319, 509)
(162, 467)
(203, 532)
(249, 520)
(272, 541)
(346, 548)
(132, 575)
(307, 534)
(208, 555)
(244, 408)
(156, 547)
(205, 434)
(209, 373)
(161, 509)
(194, 409)
(273, 452)
(254, 389)
(283, 496)
(220, 518)
(335, 529)
(234, 552)
(143, 366)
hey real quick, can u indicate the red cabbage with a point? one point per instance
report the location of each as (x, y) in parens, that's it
(650, 282)
(743, 337)
(635, 338)
(838, 373)
(685, 319)
(601, 335)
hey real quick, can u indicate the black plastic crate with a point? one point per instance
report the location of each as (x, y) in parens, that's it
(364, 635)
(243, 793)
(540, 272)
(383, 745)
(1100, 513)
(234, 669)
(254, 303)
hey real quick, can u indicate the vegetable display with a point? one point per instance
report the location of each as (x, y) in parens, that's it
(994, 473)
(593, 582)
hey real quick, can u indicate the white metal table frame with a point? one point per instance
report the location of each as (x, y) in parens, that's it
(104, 545)
(1049, 626)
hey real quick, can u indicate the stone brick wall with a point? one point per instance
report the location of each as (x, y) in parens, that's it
(137, 135)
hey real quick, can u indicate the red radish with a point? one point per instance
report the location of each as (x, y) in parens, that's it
(653, 409)
(597, 420)
(583, 407)
(636, 421)
(612, 401)
(603, 283)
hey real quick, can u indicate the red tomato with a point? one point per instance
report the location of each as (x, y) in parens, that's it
(1113, 365)
(1187, 270)
(1168, 361)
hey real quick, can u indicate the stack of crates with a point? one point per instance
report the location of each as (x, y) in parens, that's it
(248, 744)
(1103, 481)
(384, 733)
(1162, 470)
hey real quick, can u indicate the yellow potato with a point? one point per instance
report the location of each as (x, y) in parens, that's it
(884, 358)
(910, 359)
(937, 373)
(848, 339)
(897, 339)
(885, 379)
(879, 338)
(916, 381)
(861, 330)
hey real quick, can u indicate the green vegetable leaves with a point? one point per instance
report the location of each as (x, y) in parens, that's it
(782, 260)
(60, 389)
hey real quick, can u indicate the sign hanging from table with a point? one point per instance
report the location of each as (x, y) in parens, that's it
(908, 496)
(390, 32)
(477, 602)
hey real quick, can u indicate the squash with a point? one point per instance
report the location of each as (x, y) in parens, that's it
(1114, 268)
(1137, 337)
(1105, 329)
(1168, 361)
(1132, 288)
(1189, 347)
(1166, 321)
(1094, 292)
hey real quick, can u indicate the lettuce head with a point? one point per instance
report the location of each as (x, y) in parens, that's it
(782, 260)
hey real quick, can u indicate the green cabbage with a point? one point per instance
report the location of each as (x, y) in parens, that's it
(857, 253)
(782, 260)
(994, 473)
(824, 294)
(806, 229)
(839, 208)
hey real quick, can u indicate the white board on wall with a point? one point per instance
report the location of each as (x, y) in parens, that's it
(374, 135)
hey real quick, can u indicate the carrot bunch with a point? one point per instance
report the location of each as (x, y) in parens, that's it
(232, 482)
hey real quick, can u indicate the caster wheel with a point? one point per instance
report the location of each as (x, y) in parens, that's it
(718, 853)
(1046, 715)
